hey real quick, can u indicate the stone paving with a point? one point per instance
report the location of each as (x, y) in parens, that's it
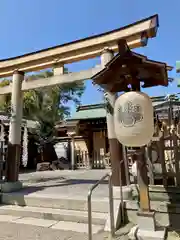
(60, 183)
(13, 231)
(85, 174)
(64, 183)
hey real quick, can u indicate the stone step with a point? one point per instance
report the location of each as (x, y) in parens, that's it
(160, 193)
(53, 214)
(52, 224)
(54, 201)
(166, 213)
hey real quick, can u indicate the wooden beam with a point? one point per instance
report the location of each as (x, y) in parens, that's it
(81, 49)
(8, 68)
(55, 80)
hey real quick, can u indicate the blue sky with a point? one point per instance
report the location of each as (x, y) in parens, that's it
(29, 25)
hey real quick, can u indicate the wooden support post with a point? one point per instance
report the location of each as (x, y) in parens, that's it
(72, 146)
(176, 157)
(142, 171)
(116, 153)
(58, 69)
(143, 181)
(72, 153)
(160, 144)
(14, 145)
(90, 148)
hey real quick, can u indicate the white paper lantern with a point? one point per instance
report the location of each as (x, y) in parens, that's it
(134, 119)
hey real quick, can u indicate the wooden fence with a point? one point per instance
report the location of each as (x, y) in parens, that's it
(95, 160)
(168, 151)
(162, 156)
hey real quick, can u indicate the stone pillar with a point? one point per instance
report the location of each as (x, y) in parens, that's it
(115, 147)
(14, 145)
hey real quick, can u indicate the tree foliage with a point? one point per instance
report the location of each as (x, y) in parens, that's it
(5, 100)
(46, 106)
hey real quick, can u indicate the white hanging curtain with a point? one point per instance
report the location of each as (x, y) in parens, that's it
(2, 140)
(2, 133)
(25, 147)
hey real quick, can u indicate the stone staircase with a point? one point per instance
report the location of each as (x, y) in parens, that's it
(53, 211)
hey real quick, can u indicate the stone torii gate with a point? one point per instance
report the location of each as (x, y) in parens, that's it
(103, 45)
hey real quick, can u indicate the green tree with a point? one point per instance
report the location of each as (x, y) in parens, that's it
(46, 106)
(5, 100)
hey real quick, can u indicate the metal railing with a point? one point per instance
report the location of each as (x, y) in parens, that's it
(111, 205)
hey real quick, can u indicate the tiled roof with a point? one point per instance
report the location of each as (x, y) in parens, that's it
(90, 112)
(98, 110)
(158, 103)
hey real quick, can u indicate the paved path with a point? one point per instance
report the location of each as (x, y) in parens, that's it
(64, 183)
(61, 183)
(13, 231)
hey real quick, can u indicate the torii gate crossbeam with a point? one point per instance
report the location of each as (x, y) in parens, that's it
(135, 34)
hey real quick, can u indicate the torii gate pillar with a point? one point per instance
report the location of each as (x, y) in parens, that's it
(115, 147)
(14, 145)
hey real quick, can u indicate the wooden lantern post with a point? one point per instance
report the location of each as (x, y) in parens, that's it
(129, 68)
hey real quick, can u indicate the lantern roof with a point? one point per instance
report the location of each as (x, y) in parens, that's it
(128, 67)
